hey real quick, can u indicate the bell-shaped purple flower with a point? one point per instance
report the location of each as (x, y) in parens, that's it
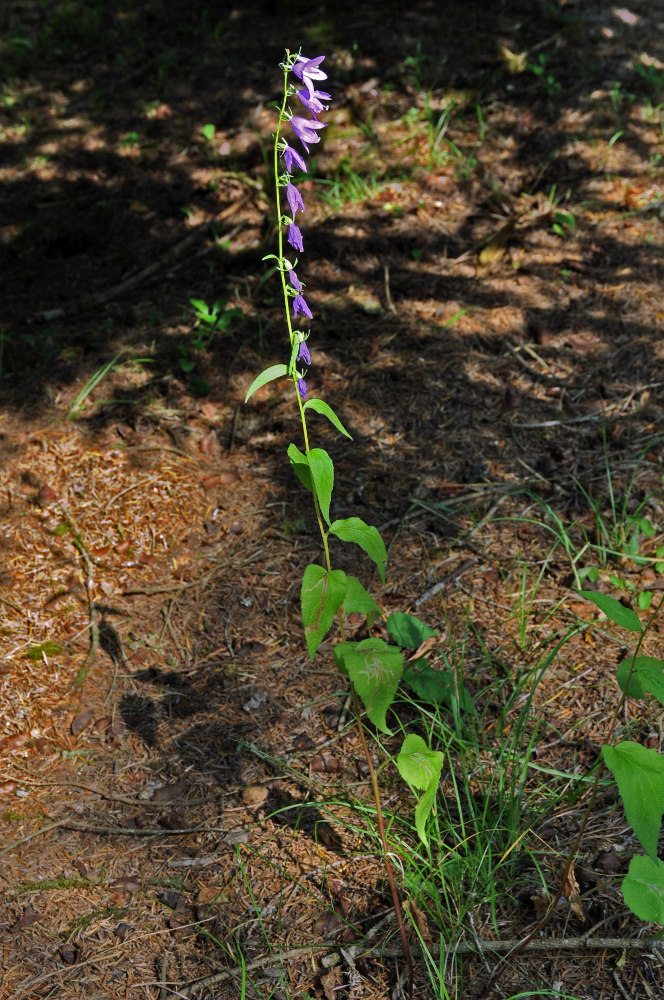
(294, 280)
(294, 198)
(295, 237)
(312, 102)
(300, 306)
(305, 129)
(308, 70)
(291, 156)
(303, 353)
(302, 388)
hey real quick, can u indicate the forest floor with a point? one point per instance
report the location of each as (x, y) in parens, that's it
(183, 803)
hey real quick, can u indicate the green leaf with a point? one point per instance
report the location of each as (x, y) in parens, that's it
(321, 407)
(646, 676)
(643, 888)
(375, 669)
(436, 686)
(614, 610)
(208, 132)
(274, 371)
(322, 471)
(353, 529)
(640, 776)
(421, 768)
(321, 596)
(644, 600)
(360, 601)
(407, 630)
(300, 466)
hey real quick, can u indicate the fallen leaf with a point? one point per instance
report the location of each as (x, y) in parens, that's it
(6, 787)
(29, 917)
(81, 721)
(572, 893)
(327, 763)
(166, 793)
(608, 861)
(493, 250)
(69, 954)
(208, 894)
(330, 982)
(254, 796)
(174, 900)
(121, 931)
(14, 742)
(128, 882)
(172, 821)
(47, 495)
(419, 918)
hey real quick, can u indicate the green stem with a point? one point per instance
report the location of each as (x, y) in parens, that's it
(323, 533)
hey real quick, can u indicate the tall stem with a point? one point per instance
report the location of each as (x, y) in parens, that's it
(323, 533)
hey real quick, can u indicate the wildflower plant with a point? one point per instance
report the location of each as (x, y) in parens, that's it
(373, 666)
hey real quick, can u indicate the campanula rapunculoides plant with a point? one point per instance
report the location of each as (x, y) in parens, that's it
(373, 666)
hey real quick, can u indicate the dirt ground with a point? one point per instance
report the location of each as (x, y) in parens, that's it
(484, 257)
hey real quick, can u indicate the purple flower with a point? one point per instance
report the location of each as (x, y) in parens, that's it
(305, 129)
(303, 353)
(300, 306)
(307, 70)
(295, 237)
(312, 102)
(294, 280)
(302, 388)
(291, 156)
(294, 198)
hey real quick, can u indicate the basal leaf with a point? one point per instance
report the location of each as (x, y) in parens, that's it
(300, 466)
(643, 888)
(647, 675)
(614, 610)
(375, 669)
(322, 471)
(321, 407)
(640, 776)
(407, 630)
(275, 371)
(353, 529)
(321, 596)
(360, 601)
(421, 768)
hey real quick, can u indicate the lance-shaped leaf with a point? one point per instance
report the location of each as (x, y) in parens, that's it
(646, 676)
(322, 472)
(353, 529)
(375, 669)
(321, 407)
(300, 466)
(360, 601)
(321, 596)
(407, 630)
(421, 768)
(614, 610)
(643, 889)
(640, 776)
(275, 371)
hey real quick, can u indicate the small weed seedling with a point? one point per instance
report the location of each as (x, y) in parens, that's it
(373, 666)
(208, 321)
